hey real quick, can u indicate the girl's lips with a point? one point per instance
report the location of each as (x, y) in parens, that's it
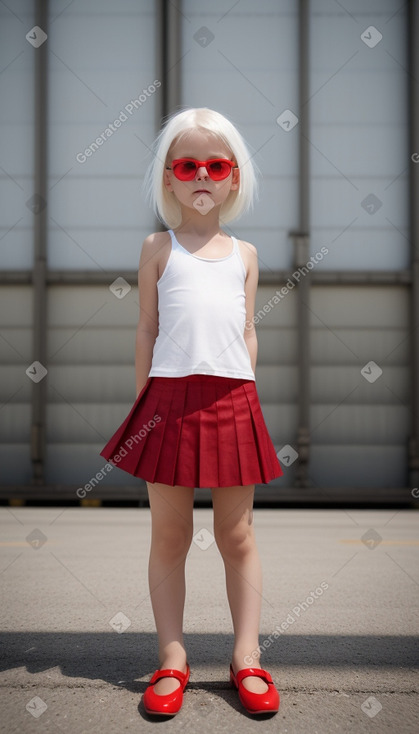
(202, 191)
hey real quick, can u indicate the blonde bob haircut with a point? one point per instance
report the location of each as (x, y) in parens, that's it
(177, 127)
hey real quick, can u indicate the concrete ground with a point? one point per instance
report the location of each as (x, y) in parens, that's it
(339, 617)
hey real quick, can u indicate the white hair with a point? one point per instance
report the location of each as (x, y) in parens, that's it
(178, 125)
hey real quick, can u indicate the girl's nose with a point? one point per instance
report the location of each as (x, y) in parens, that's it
(202, 172)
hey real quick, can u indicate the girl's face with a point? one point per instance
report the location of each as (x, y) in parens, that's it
(201, 146)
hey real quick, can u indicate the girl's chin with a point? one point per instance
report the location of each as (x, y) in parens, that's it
(203, 203)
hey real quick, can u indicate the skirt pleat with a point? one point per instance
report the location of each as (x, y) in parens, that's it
(187, 462)
(268, 460)
(209, 438)
(167, 462)
(116, 450)
(260, 450)
(248, 459)
(196, 431)
(133, 437)
(157, 438)
(229, 468)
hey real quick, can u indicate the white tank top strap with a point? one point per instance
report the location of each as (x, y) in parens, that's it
(174, 240)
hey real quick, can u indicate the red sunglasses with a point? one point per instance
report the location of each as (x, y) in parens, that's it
(185, 168)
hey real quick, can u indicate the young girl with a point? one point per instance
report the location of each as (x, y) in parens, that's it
(197, 420)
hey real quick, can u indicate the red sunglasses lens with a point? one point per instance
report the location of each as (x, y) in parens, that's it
(186, 170)
(219, 170)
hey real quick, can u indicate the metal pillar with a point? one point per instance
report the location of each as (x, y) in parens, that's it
(302, 255)
(413, 33)
(39, 349)
(168, 68)
(169, 28)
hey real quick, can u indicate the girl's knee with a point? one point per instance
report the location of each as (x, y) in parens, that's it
(236, 541)
(172, 542)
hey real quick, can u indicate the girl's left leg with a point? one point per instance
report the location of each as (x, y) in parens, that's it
(235, 538)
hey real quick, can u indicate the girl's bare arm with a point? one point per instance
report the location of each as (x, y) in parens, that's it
(250, 291)
(148, 324)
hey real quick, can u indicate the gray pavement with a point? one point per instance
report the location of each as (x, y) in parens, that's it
(339, 618)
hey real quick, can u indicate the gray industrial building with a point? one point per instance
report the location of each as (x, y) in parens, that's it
(326, 94)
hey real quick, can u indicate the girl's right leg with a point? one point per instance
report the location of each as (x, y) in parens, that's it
(171, 536)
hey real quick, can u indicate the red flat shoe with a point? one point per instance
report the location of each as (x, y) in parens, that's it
(171, 703)
(256, 703)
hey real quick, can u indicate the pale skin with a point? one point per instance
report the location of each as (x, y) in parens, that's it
(172, 507)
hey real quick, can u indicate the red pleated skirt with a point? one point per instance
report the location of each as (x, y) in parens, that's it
(195, 431)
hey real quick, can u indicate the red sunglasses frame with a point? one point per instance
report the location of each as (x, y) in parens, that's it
(200, 164)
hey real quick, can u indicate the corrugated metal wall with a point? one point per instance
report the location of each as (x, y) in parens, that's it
(359, 210)
(244, 62)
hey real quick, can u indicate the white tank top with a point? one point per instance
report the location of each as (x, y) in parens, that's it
(202, 316)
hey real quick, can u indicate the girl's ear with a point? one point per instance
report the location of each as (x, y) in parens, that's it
(235, 179)
(166, 180)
